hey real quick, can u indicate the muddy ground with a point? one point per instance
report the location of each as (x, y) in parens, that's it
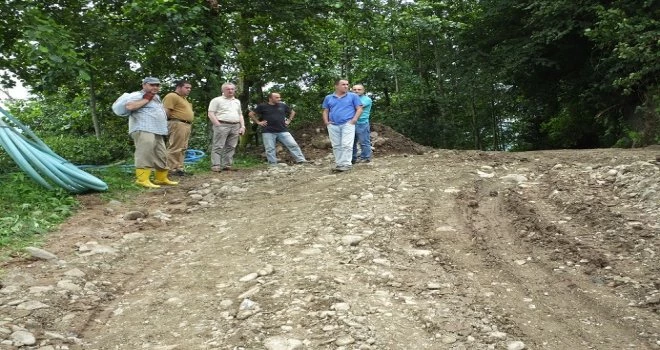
(420, 249)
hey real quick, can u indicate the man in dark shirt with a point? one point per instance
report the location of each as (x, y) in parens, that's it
(273, 119)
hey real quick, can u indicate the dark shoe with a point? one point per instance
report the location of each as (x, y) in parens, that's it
(227, 168)
(303, 162)
(353, 161)
(179, 172)
(361, 160)
(216, 169)
(342, 169)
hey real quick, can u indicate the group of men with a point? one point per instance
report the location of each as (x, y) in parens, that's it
(161, 128)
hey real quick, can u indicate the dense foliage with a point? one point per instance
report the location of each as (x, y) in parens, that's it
(467, 74)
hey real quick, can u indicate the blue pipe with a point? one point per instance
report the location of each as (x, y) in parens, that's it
(35, 158)
(191, 156)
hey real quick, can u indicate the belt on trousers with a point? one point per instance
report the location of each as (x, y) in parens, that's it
(224, 122)
(180, 120)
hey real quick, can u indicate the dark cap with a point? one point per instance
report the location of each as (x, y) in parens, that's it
(150, 80)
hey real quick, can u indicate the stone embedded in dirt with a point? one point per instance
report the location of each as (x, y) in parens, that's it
(449, 339)
(40, 289)
(485, 175)
(247, 309)
(133, 236)
(23, 338)
(497, 335)
(249, 277)
(74, 273)
(40, 253)
(92, 248)
(68, 285)
(158, 214)
(344, 340)
(380, 261)
(31, 305)
(250, 292)
(445, 229)
(54, 335)
(340, 307)
(268, 270)
(290, 241)
(282, 343)
(311, 251)
(420, 252)
(514, 178)
(225, 304)
(351, 240)
(367, 196)
(433, 285)
(11, 289)
(196, 197)
(515, 345)
(134, 215)
(635, 225)
(167, 347)
(321, 142)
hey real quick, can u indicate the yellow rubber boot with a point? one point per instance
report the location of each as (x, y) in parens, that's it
(161, 178)
(142, 178)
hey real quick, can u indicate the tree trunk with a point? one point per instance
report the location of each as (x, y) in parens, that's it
(440, 94)
(495, 122)
(246, 78)
(396, 77)
(651, 131)
(475, 124)
(92, 106)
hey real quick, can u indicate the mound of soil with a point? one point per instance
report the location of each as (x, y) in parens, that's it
(314, 142)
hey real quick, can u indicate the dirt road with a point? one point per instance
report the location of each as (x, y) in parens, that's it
(445, 250)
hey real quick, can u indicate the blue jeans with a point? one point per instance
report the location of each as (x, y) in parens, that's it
(341, 138)
(363, 137)
(270, 140)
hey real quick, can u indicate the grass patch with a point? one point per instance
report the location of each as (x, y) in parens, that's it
(29, 211)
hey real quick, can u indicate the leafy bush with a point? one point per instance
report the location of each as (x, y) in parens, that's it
(89, 149)
(7, 164)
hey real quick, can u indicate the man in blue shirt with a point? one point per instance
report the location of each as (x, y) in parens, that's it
(341, 111)
(362, 128)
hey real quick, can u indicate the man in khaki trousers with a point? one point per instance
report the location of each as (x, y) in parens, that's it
(179, 126)
(147, 125)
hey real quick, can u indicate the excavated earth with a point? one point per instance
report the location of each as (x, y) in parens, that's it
(429, 249)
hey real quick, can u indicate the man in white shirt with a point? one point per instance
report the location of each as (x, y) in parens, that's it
(228, 124)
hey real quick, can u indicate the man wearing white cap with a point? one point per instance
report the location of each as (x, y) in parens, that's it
(147, 125)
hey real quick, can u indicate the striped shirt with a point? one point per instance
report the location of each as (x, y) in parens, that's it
(150, 117)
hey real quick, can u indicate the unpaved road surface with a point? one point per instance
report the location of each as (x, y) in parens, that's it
(442, 250)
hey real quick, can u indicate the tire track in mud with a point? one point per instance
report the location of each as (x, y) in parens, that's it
(531, 291)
